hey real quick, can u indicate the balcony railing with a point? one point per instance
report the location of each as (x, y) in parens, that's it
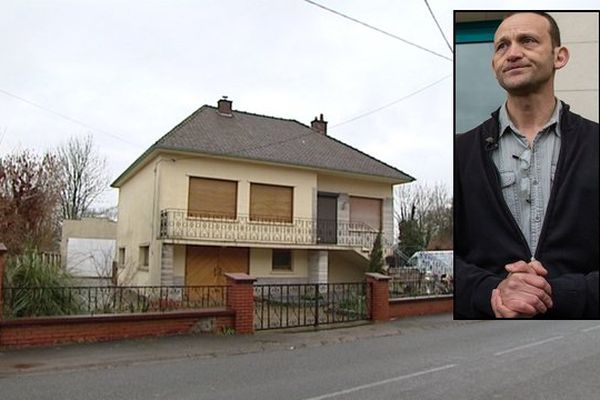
(185, 225)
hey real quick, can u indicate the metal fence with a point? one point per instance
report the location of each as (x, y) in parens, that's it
(421, 285)
(22, 302)
(297, 305)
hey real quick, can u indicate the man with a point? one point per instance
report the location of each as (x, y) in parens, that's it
(526, 190)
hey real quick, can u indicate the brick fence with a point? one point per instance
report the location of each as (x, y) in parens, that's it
(237, 316)
(48, 331)
(383, 308)
(426, 305)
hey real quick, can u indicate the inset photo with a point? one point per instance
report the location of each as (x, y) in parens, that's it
(526, 205)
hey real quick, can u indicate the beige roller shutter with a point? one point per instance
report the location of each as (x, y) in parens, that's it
(212, 198)
(366, 210)
(271, 203)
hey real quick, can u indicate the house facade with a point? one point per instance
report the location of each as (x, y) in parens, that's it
(231, 191)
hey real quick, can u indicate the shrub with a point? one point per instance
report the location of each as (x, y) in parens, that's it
(37, 288)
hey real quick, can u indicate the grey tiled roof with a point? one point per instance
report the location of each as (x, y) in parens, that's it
(258, 137)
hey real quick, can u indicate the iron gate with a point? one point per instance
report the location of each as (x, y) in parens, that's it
(296, 305)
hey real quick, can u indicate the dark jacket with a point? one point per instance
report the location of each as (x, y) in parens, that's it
(487, 237)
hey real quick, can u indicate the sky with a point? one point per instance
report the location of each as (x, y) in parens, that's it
(127, 72)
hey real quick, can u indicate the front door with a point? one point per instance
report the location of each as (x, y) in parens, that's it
(326, 218)
(207, 265)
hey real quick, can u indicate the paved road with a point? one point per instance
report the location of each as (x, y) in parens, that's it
(416, 359)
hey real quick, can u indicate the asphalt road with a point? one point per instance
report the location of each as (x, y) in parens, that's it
(453, 360)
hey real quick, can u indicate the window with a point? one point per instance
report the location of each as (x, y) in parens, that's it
(213, 198)
(144, 257)
(282, 260)
(365, 212)
(121, 259)
(477, 92)
(271, 203)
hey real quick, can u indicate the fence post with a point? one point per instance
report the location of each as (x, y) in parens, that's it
(378, 296)
(2, 263)
(240, 297)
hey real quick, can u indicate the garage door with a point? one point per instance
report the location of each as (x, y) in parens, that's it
(207, 265)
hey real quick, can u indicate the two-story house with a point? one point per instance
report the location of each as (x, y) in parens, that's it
(231, 191)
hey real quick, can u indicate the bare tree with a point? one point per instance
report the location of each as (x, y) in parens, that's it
(424, 217)
(84, 176)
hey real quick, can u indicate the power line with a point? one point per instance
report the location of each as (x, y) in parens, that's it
(66, 117)
(439, 27)
(392, 103)
(377, 29)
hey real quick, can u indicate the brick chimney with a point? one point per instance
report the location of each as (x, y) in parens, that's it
(224, 107)
(319, 125)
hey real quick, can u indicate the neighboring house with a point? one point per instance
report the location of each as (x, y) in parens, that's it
(88, 248)
(231, 191)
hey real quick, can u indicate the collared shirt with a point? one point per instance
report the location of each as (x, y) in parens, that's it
(527, 172)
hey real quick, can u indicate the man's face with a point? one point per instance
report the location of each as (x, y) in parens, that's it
(524, 58)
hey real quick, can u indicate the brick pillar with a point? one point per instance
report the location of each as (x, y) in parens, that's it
(378, 295)
(2, 263)
(240, 297)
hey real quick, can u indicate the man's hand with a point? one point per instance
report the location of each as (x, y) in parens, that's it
(524, 292)
(534, 267)
(500, 310)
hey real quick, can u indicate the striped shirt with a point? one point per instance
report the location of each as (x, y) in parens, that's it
(527, 172)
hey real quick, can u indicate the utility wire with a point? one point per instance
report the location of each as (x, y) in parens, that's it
(392, 103)
(439, 27)
(66, 117)
(376, 29)
(248, 149)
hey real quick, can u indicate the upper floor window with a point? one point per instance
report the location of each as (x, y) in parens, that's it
(364, 210)
(214, 198)
(271, 202)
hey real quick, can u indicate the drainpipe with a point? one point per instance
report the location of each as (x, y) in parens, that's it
(155, 205)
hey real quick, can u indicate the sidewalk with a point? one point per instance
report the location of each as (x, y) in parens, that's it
(128, 352)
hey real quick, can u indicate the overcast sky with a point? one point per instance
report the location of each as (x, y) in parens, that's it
(131, 70)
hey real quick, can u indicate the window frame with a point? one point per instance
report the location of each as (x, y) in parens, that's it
(285, 267)
(144, 257)
(121, 256)
(258, 218)
(208, 214)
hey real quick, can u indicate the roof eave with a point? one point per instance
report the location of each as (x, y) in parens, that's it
(155, 150)
(134, 167)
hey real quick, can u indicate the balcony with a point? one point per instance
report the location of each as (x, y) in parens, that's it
(183, 225)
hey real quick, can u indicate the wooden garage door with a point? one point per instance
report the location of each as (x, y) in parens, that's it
(366, 210)
(207, 265)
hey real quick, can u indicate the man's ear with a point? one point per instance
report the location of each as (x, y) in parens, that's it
(561, 57)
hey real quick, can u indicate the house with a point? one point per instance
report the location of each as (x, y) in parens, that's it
(231, 191)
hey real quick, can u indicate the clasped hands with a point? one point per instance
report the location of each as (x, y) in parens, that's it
(524, 293)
